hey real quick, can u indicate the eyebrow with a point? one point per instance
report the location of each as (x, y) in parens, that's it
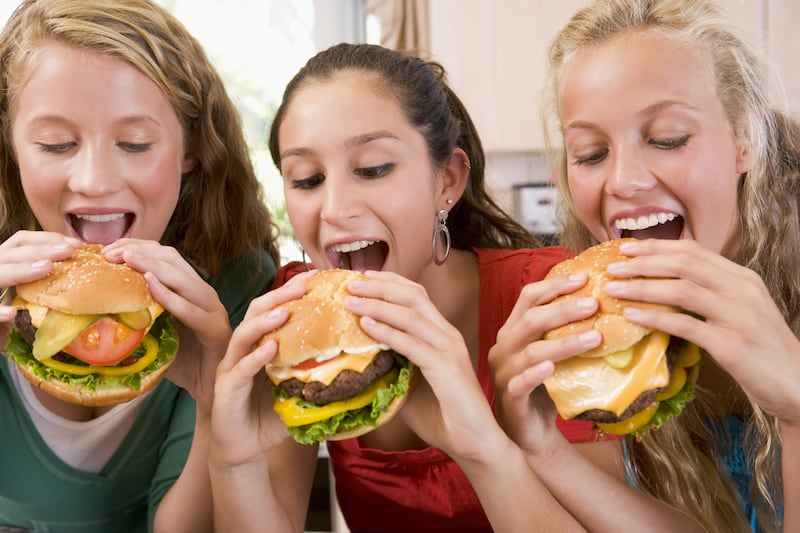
(358, 140)
(646, 112)
(50, 119)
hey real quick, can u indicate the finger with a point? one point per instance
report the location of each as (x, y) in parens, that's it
(246, 368)
(522, 385)
(392, 289)
(520, 361)
(249, 332)
(265, 303)
(684, 259)
(405, 328)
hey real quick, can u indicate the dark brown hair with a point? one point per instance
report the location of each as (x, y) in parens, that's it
(437, 113)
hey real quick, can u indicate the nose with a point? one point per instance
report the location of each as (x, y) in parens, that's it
(94, 172)
(628, 174)
(340, 199)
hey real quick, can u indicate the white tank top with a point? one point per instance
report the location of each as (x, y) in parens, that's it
(83, 445)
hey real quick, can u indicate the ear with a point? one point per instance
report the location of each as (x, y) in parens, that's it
(454, 179)
(188, 163)
(742, 148)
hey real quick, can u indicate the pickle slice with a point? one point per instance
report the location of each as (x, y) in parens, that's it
(136, 320)
(57, 331)
(620, 360)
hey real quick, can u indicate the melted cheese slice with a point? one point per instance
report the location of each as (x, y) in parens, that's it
(325, 372)
(574, 385)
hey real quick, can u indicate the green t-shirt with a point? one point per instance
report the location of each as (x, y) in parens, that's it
(39, 492)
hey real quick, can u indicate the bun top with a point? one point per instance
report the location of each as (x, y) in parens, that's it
(86, 283)
(318, 325)
(618, 333)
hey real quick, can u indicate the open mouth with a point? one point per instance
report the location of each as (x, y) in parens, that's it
(101, 229)
(654, 226)
(358, 255)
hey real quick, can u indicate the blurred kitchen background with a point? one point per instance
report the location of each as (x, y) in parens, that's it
(494, 53)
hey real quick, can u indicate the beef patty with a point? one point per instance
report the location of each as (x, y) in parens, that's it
(346, 385)
(23, 323)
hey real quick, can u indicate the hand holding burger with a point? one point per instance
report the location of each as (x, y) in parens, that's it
(332, 380)
(637, 378)
(90, 333)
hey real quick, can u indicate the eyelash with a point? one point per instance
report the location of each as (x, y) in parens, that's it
(135, 148)
(666, 144)
(365, 172)
(374, 172)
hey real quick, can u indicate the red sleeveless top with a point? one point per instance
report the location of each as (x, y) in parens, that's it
(424, 490)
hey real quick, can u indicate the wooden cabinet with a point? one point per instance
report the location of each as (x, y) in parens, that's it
(494, 53)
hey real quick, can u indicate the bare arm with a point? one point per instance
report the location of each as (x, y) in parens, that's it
(790, 458)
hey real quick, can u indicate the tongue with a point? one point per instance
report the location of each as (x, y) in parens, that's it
(669, 230)
(101, 232)
(370, 258)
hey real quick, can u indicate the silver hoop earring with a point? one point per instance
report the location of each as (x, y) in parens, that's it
(305, 262)
(3, 295)
(441, 239)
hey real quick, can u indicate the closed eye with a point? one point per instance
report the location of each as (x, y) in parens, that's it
(595, 157)
(374, 172)
(59, 148)
(134, 147)
(309, 182)
(669, 143)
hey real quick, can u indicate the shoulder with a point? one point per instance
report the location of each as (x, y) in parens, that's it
(242, 279)
(287, 272)
(522, 264)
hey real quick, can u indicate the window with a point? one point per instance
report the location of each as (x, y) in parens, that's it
(257, 46)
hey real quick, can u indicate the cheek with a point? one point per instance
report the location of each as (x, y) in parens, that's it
(586, 199)
(301, 213)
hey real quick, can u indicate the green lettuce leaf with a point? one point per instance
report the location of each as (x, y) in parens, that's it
(669, 408)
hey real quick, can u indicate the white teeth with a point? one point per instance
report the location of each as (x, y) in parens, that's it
(101, 218)
(351, 246)
(644, 222)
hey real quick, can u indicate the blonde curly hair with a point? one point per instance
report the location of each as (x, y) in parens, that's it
(680, 463)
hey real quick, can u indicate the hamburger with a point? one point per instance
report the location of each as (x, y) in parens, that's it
(90, 332)
(331, 380)
(638, 377)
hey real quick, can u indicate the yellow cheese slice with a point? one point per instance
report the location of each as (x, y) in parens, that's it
(326, 372)
(578, 378)
(293, 414)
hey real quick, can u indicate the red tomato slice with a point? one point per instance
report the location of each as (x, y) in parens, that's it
(308, 364)
(105, 342)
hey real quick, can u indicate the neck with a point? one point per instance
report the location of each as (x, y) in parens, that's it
(454, 289)
(70, 411)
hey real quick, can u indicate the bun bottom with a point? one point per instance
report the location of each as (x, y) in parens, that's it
(79, 394)
(392, 409)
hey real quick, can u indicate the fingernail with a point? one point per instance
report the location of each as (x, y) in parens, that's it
(276, 313)
(614, 286)
(353, 301)
(615, 267)
(590, 338)
(6, 312)
(629, 246)
(356, 284)
(631, 312)
(575, 278)
(41, 264)
(586, 303)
